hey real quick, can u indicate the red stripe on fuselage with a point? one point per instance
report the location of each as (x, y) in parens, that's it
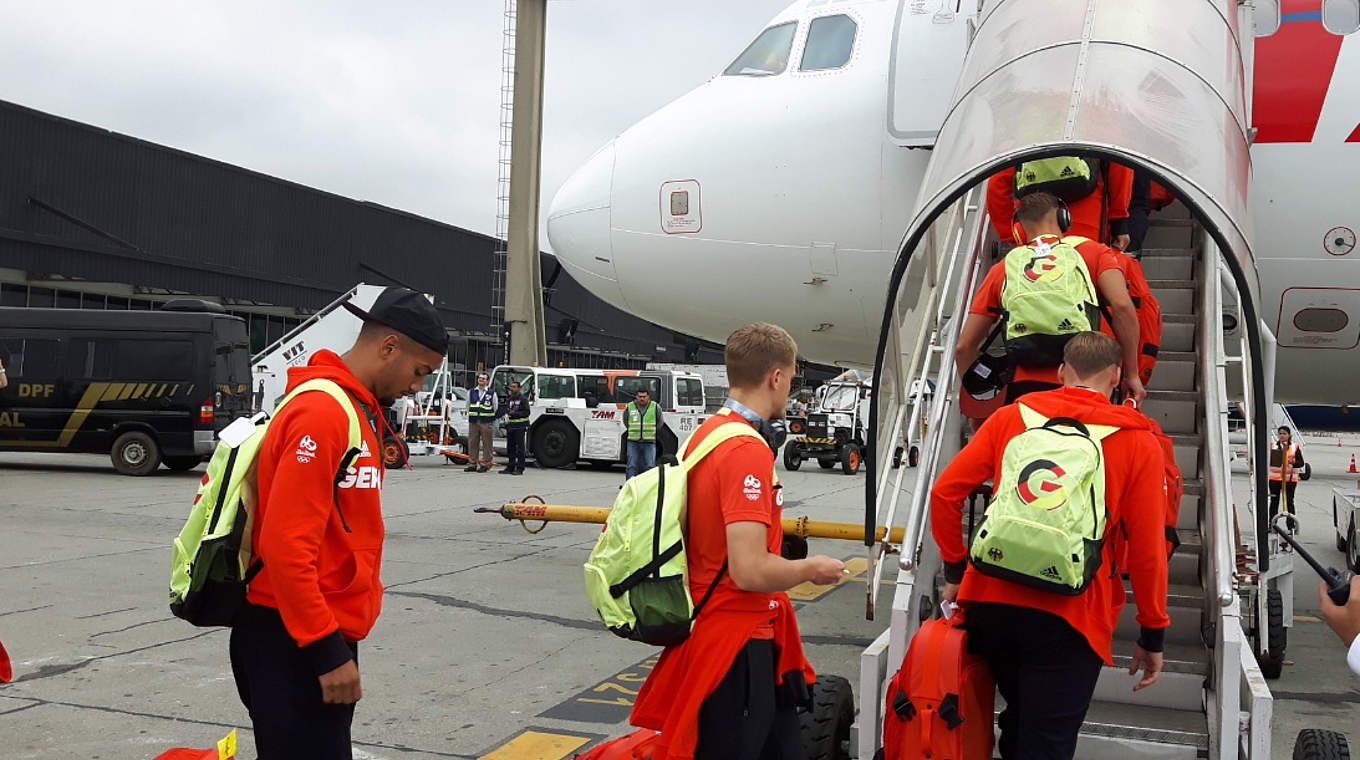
(1294, 67)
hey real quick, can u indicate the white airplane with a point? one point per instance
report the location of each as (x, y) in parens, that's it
(780, 189)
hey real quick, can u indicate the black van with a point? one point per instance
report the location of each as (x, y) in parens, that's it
(148, 387)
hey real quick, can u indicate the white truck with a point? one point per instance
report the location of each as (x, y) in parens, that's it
(578, 414)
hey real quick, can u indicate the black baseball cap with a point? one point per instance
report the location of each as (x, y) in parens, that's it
(410, 314)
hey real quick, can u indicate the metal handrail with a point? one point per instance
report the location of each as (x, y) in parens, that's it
(929, 335)
(1213, 372)
(948, 380)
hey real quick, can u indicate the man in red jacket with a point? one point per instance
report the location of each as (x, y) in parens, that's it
(1037, 216)
(319, 534)
(729, 691)
(1046, 649)
(1107, 203)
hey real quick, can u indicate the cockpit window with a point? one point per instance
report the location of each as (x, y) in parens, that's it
(1341, 16)
(830, 40)
(767, 55)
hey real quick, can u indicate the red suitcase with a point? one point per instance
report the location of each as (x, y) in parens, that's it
(940, 704)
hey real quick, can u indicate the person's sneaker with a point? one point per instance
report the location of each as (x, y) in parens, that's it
(509, 472)
(483, 468)
(518, 472)
(470, 468)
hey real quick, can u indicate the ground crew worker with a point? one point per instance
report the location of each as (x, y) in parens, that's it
(1036, 220)
(1045, 649)
(481, 416)
(729, 691)
(1286, 467)
(1105, 205)
(642, 417)
(516, 411)
(319, 535)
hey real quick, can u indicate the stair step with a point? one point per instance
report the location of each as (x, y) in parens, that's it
(1175, 371)
(1174, 296)
(1177, 595)
(1175, 411)
(1170, 233)
(1175, 264)
(1187, 454)
(1114, 731)
(1188, 517)
(1185, 627)
(1178, 332)
(1185, 568)
(1181, 686)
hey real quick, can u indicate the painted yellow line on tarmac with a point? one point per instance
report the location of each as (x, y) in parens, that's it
(534, 744)
(808, 592)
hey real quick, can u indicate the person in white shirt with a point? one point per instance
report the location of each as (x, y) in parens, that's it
(1344, 620)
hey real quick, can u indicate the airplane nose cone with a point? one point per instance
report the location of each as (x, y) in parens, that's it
(578, 225)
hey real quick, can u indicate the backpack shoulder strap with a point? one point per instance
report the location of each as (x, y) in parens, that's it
(333, 389)
(1075, 240)
(725, 432)
(1034, 419)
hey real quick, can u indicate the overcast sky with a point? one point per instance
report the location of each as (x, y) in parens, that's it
(396, 102)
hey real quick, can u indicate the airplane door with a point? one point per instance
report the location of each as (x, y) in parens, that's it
(928, 47)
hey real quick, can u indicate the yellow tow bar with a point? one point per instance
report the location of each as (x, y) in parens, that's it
(537, 510)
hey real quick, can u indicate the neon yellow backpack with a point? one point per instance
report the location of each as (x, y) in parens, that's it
(1071, 178)
(637, 576)
(211, 562)
(1045, 528)
(1046, 298)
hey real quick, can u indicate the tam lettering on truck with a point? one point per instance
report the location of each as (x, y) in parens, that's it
(601, 414)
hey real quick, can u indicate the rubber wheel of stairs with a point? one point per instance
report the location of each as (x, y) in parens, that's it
(1317, 744)
(825, 728)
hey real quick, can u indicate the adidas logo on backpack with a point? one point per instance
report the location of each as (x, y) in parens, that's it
(1066, 172)
(211, 563)
(637, 576)
(1066, 324)
(1046, 526)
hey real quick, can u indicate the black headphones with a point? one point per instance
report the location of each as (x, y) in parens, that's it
(1064, 223)
(775, 432)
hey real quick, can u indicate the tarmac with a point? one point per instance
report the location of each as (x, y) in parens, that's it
(486, 646)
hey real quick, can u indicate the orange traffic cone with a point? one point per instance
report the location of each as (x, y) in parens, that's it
(1352, 469)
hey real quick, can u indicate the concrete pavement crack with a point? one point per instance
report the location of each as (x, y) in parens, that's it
(129, 627)
(28, 609)
(449, 601)
(82, 557)
(47, 671)
(500, 561)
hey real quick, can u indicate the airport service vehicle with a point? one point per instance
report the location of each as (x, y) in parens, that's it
(834, 432)
(578, 414)
(146, 387)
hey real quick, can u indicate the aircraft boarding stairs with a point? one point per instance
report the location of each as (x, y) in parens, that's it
(1181, 715)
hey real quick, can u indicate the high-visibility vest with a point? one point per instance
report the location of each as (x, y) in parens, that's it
(1277, 467)
(481, 405)
(517, 411)
(641, 423)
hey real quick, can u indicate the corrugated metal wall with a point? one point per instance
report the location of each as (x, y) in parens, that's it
(182, 222)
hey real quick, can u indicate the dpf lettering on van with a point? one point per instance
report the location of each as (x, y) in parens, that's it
(37, 390)
(367, 476)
